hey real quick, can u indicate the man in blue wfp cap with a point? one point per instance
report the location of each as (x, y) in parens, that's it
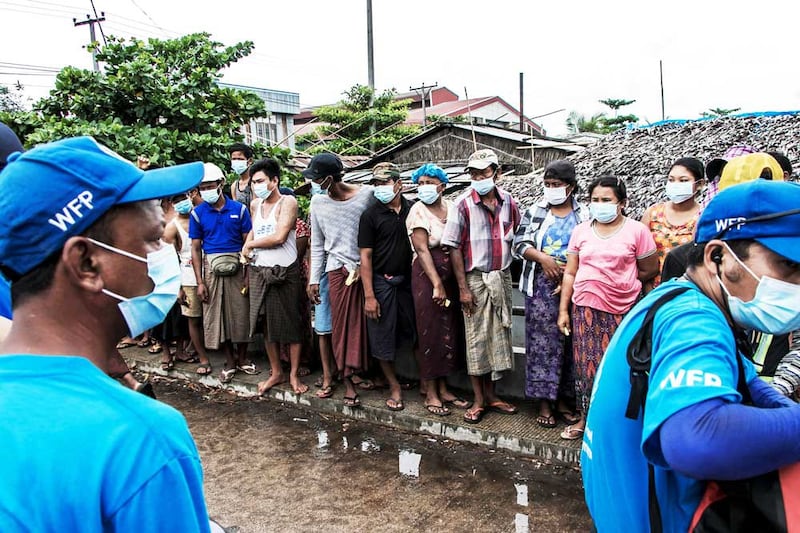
(743, 275)
(87, 266)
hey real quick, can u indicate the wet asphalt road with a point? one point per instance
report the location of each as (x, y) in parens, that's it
(273, 467)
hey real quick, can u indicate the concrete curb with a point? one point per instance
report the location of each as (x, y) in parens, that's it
(518, 434)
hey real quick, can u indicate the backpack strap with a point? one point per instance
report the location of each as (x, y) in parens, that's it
(640, 355)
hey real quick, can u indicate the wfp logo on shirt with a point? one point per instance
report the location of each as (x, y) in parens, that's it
(690, 378)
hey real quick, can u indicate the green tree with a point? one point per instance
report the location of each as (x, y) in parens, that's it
(11, 101)
(577, 123)
(157, 97)
(348, 125)
(618, 121)
(719, 112)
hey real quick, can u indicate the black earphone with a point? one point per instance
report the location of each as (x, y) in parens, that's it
(716, 255)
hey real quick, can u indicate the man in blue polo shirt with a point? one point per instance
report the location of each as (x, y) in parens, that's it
(743, 274)
(218, 228)
(87, 266)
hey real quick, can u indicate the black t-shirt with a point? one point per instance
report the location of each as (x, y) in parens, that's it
(383, 230)
(676, 261)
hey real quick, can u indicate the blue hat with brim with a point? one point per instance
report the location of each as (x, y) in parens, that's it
(765, 211)
(58, 190)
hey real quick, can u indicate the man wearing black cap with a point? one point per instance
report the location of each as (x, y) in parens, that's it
(87, 266)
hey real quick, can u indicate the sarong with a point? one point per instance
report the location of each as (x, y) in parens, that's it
(396, 325)
(226, 313)
(549, 363)
(591, 332)
(275, 300)
(440, 330)
(349, 334)
(488, 330)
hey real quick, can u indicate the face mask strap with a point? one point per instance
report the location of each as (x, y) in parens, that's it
(116, 250)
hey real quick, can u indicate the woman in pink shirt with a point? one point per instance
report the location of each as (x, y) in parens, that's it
(608, 258)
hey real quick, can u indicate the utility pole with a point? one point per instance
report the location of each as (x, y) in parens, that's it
(424, 90)
(370, 70)
(92, 39)
(521, 104)
(661, 76)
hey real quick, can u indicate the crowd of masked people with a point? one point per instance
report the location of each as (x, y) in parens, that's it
(667, 344)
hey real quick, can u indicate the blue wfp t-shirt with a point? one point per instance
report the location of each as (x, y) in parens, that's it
(82, 453)
(693, 360)
(5, 298)
(221, 230)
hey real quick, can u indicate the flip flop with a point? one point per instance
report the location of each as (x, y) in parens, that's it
(190, 360)
(146, 388)
(167, 365)
(249, 369)
(458, 402)
(568, 417)
(477, 415)
(572, 433)
(206, 369)
(155, 348)
(144, 343)
(318, 382)
(395, 405)
(227, 375)
(325, 392)
(438, 410)
(352, 401)
(407, 385)
(504, 408)
(548, 421)
(121, 345)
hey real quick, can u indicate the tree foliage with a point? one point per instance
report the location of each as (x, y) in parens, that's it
(719, 112)
(157, 98)
(611, 124)
(578, 123)
(348, 125)
(11, 100)
(616, 103)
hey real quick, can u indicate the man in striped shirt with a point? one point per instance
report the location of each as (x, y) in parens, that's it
(480, 237)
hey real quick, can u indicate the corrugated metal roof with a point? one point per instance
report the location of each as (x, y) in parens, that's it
(276, 101)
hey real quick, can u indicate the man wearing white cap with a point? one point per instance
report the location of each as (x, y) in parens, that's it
(218, 228)
(480, 238)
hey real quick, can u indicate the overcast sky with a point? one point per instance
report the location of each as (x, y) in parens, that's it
(573, 53)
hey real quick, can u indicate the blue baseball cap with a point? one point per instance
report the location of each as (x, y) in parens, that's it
(58, 190)
(765, 211)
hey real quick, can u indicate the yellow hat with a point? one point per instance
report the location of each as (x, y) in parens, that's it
(748, 168)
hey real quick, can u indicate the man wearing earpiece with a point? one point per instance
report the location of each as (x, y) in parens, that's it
(743, 274)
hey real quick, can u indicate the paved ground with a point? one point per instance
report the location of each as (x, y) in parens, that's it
(275, 466)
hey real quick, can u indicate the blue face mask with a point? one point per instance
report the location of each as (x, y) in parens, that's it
(317, 189)
(384, 193)
(482, 187)
(184, 207)
(211, 196)
(603, 212)
(149, 310)
(773, 309)
(239, 166)
(262, 190)
(427, 194)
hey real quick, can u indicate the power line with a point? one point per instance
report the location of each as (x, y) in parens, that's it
(92, 39)
(102, 33)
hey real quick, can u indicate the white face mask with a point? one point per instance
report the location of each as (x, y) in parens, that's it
(555, 195)
(679, 191)
(262, 190)
(604, 212)
(210, 196)
(149, 310)
(428, 194)
(774, 308)
(239, 166)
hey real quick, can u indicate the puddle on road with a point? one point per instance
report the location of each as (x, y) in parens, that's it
(411, 482)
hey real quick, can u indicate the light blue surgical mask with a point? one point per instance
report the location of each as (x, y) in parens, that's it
(384, 193)
(262, 190)
(482, 187)
(210, 196)
(149, 310)
(428, 194)
(239, 166)
(603, 212)
(317, 189)
(184, 207)
(679, 191)
(773, 309)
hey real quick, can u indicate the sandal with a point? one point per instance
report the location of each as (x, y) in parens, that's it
(572, 433)
(474, 415)
(569, 417)
(190, 360)
(548, 421)
(167, 365)
(227, 375)
(146, 388)
(249, 369)
(319, 382)
(459, 402)
(438, 410)
(504, 408)
(155, 348)
(352, 401)
(395, 405)
(325, 392)
(204, 369)
(125, 344)
(144, 343)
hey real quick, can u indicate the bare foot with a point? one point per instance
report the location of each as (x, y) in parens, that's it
(298, 386)
(265, 386)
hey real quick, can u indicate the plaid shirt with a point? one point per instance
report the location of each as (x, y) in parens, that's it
(483, 237)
